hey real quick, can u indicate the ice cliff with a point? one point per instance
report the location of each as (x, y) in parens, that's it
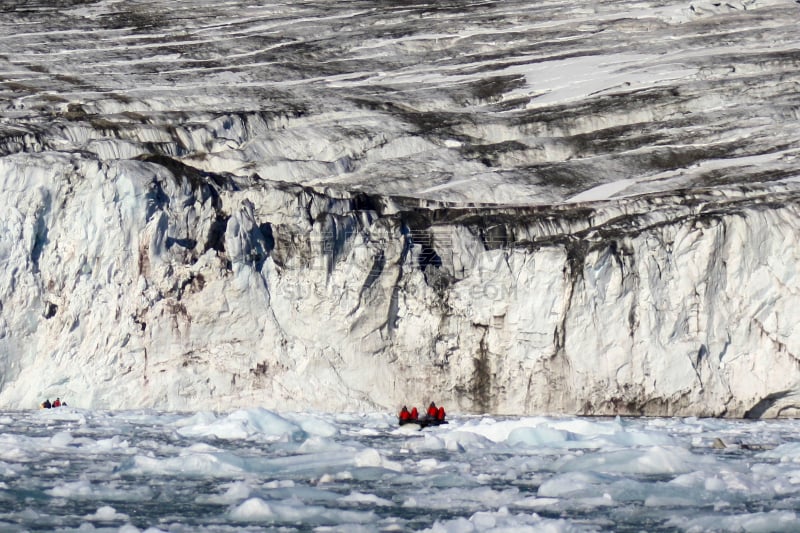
(505, 207)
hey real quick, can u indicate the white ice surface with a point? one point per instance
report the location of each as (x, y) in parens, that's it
(208, 205)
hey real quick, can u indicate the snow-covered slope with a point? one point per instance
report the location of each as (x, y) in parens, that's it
(503, 206)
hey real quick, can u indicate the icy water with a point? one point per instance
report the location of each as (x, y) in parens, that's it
(69, 469)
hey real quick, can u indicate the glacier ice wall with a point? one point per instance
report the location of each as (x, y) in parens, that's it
(505, 207)
(151, 283)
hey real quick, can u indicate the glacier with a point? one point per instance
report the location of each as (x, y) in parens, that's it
(506, 207)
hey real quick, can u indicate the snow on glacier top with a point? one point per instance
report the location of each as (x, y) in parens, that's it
(492, 102)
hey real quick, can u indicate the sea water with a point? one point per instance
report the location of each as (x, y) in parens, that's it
(68, 469)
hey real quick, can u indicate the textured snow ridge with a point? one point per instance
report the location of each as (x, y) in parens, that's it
(503, 101)
(508, 207)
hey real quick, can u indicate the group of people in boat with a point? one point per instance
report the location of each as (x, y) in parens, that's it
(57, 403)
(434, 416)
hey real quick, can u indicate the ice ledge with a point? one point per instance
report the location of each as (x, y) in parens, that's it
(149, 283)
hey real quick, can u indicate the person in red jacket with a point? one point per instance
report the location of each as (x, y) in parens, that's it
(414, 414)
(440, 414)
(432, 411)
(405, 416)
(57, 403)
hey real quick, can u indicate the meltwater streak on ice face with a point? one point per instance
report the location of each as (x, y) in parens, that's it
(67, 469)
